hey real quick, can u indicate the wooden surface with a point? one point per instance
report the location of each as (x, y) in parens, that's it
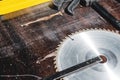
(24, 48)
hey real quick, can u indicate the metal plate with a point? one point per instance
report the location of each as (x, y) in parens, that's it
(82, 46)
(8, 6)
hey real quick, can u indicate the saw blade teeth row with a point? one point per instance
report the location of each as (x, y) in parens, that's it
(70, 36)
(77, 32)
(97, 28)
(55, 64)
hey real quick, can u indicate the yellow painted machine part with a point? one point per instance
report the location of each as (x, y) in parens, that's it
(8, 6)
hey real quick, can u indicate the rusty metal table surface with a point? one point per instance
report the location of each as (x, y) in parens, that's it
(28, 42)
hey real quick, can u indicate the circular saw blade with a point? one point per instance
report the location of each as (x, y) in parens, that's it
(86, 44)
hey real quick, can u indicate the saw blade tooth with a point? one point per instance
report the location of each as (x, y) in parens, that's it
(55, 58)
(61, 79)
(63, 39)
(117, 31)
(55, 67)
(83, 30)
(57, 70)
(66, 37)
(75, 33)
(113, 31)
(72, 34)
(57, 47)
(96, 28)
(89, 29)
(78, 31)
(60, 43)
(109, 30)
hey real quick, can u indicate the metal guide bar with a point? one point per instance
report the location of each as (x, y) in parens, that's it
(76, 68)
(106, 15)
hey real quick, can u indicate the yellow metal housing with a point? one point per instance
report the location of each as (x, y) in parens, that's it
(8, 6)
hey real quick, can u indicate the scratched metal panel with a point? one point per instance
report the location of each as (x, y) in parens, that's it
(27, 39)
